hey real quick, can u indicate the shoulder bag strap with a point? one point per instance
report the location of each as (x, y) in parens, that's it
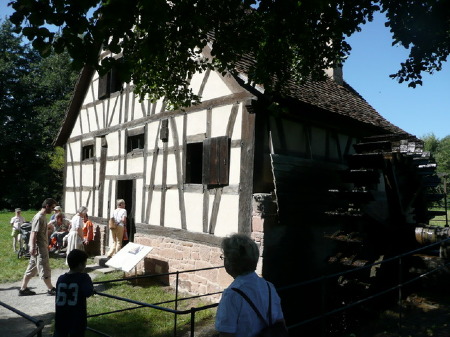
(240, 292)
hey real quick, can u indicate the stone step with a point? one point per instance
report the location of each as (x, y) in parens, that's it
(101, 260)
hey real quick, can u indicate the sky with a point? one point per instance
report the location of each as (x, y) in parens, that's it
(420, 111)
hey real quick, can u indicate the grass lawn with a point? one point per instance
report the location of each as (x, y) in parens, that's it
(439, 220)
(135, 323)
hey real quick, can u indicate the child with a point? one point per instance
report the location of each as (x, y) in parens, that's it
(16, 222)
(72, 289)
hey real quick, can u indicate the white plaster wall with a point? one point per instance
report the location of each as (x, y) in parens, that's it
(172, 211)
(159, 170)
(235, 166)
(152, 134)
(114, 106)
(91, 93)
(86, 200)
(87, 176)
(178, 129)
(237, 130)
(113, 143)
(76, 175)
(69, 177)
(84, 121)
(194, 211)
(196, 123)
(139, 200)
(155, 208)
(196, 82)
(294, 135)
(171, 170)
(159, 106)
(69, 203)
(136, 106)
(219, 123)
(135, 165)
(318, 142)
(215, 87)
(227, 219)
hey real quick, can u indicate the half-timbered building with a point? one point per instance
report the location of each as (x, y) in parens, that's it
(240, 161)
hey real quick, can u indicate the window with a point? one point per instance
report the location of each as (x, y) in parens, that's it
(135, 142)
(109, 83)
(208, 162)
(194, 159)
(88, 151)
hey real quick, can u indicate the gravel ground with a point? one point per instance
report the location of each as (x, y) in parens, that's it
(40, 306)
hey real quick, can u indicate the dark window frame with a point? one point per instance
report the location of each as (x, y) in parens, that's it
(194, 163)
(135, 142)
(109, 83)
(87, 152)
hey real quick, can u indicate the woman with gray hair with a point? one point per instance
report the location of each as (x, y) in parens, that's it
(250, 304)
(75, 237)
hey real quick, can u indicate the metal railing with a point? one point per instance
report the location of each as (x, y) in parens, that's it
(158, 306)
(293, 287)
(401, 283)
(192, 311)
(39, 323)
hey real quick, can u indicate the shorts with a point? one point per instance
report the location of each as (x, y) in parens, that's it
(39, 264)
(15, 232)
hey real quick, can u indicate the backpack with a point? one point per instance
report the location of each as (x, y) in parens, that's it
(277, 329)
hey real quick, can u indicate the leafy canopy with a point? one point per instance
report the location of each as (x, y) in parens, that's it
(161, 40)
(35, 95)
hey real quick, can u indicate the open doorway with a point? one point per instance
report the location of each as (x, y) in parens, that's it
(125, 191)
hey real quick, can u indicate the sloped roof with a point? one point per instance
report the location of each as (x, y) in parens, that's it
(340, 99)
(333, 97)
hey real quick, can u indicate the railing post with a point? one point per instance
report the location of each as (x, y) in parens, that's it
(400, 282)
(176, 303)
(322, 308)
(192, 321)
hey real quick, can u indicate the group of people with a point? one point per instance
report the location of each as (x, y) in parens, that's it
(248, 306)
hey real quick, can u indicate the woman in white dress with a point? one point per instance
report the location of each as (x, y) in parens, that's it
(75, 237)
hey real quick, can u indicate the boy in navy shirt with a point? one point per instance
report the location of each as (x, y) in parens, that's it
(72, 289)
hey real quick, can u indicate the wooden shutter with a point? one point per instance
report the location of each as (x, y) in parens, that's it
(216, 158)
(103, 86)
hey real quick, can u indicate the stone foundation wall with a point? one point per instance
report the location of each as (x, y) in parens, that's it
(171, 255)
(175, 255)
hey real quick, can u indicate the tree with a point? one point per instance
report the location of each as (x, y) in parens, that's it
(431, 143)
(161, 41)
(443, 155)
(35, 94)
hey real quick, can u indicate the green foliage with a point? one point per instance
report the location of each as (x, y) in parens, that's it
(36, 95)
(431, 142)
(443, 155)
(440, 149)
(161, 41)
(57, 159)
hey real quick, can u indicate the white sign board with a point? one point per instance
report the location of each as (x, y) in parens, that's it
(129, 256)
